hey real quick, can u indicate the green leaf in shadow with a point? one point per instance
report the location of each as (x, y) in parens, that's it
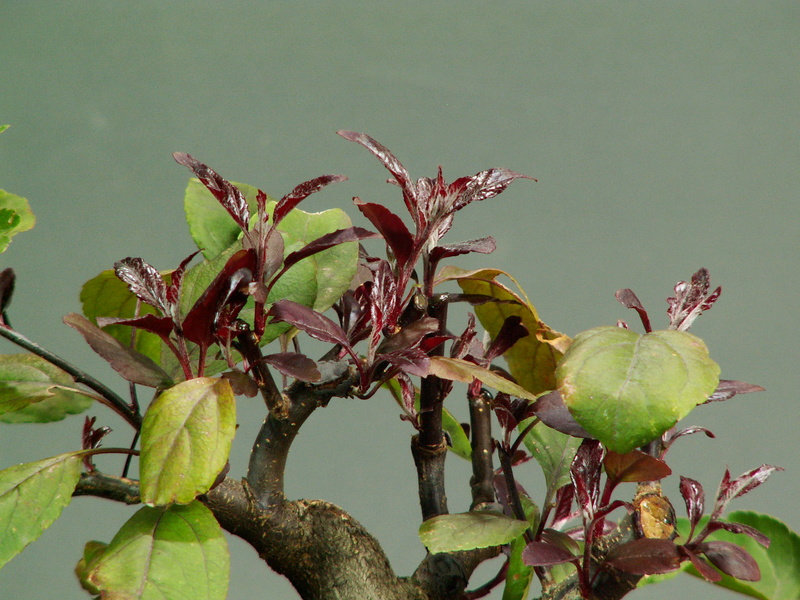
(464, 531)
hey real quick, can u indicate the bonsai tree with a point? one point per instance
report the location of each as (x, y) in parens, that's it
(232, 320)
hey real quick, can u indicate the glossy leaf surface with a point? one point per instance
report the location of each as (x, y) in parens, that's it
(186, 437)
(32, 496)
(627, 389)
(464, 531)
(175, 553)
(34, 391)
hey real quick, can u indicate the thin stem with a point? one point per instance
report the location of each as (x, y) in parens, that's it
(109, 397)
(128, 458)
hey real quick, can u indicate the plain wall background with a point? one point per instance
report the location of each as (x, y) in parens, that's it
(664, 137)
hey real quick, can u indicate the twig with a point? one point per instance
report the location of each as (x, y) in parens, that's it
(109, 398)
(480, 416)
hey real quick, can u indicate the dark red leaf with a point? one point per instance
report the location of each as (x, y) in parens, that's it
(161, 326)
(670, 437)
(463, 343)
(409, 336)
(706, 570)
(300, 193)
(221, 301)
(307, 319)
(645, 556)
(628, 299)
(144, 282)
(391, 227)
(563, 512)
(634, 466)
(739, 528)
(728, 388)
(585, 475)
(412, 361)
(510, 333)
(551, 410)
(731, 559)
(694, 497)
(294, 365)
(7, 278)
(174, 287)
(329, 240)
(728, 490)
(540, 554)
(393, 165)
(229, 196)
(241, 383)
(555, 537)
(691, 300)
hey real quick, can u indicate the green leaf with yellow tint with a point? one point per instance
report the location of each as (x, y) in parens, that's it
(531, 360)
(456, 369)
(174, 553)
(464, 531)
(15, 217)
(186, 437)
(32, 496)
(626, 389)
(33, 390)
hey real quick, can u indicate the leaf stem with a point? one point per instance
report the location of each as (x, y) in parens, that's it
(107, 396)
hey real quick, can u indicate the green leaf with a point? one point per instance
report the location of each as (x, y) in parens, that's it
(186, 437)
(4, 127)
(533, 359)
(464, 531)
(211, 226)
(107, 296)
(92, 551)
(174, 553)
(519, 575)
(779, 564)
(34, 391)
(15, 217)
(553, 451)
(627, 389)
(32, 496)
(456, 369)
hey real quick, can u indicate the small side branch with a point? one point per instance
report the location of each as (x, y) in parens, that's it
(119, 489)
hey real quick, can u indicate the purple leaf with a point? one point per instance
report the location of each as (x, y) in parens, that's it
(634, 466)
(412, 361)
(462, 344)
(728, 388)
(241, 383)
(731, 559)
(307, 319)
(563, 512)
(708, 573)
(555, 537)
(294, 365)
(694, 497)
(551, 410)
(672, 435)
(739, 528)
(540, 554)
(628, 299)
(409, 336)
(691, 300)
(300, 193)
(645, 556)
(510, 333)
(228, 195)
(585, 475)
(144, 282)
(482, 186)
(391, 227)
(393, 165)
(329, 240)
(174, 288)
(728, 490)
(131, 364)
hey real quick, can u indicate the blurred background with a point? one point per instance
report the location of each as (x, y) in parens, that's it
(664, 137)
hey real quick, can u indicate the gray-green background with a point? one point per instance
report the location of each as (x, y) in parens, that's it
(664, 137)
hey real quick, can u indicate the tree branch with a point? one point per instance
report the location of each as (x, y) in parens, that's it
(482, 484)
